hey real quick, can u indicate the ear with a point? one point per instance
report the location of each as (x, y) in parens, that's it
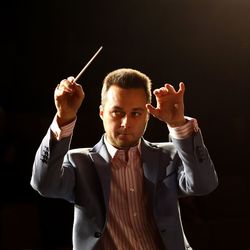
(101, 111)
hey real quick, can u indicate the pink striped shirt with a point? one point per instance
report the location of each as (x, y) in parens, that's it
(130, 225)
(62, 132)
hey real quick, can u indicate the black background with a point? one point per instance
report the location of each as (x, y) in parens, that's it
(205, 43)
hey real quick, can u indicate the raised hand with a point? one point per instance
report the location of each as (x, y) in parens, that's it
(170, 105)
(68, 98)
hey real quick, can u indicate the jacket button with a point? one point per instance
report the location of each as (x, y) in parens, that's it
(98, 234)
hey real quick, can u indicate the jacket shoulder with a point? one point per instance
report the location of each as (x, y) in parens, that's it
(164, 147)
(79, 151)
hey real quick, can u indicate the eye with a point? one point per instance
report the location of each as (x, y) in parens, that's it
(136, 114)
(117, 113)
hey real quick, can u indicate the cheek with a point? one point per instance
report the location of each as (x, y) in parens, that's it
(110, 123)
(143, 125)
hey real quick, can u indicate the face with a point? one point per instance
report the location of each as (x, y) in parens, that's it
(124, 116)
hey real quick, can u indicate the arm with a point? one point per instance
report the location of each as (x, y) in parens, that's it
(50, 177)
(196, 173)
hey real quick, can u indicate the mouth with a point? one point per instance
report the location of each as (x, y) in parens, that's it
(124, 134)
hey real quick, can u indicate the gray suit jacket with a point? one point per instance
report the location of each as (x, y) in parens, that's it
(82, 176)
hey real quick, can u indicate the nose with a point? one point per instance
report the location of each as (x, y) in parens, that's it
(125, 121)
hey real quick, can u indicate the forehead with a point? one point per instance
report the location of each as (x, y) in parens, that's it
(126, 97)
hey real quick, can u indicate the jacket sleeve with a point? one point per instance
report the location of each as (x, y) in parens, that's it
(50, 177)
(196, 172)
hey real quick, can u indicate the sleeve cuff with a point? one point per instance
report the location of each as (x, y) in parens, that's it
(185, 130)
(62, 132)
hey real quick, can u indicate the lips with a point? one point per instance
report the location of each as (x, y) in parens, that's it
(124, 134)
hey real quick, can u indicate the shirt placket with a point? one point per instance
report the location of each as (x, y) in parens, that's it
(134, 181)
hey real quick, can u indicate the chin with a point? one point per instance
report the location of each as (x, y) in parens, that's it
(124, 145)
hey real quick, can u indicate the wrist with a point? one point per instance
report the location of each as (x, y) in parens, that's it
(175, 124)
(63, 120)
(186, 130)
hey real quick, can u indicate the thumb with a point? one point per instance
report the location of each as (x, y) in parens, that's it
(152, 110)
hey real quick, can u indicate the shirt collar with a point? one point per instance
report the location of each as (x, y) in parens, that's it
(112, 150)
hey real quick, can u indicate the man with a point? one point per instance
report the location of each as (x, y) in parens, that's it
(125, 189)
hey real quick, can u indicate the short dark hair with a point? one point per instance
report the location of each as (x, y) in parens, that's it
(127, 78)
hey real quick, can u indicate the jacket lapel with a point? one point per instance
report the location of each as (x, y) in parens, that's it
(150, 164)
(150, 158)
(101, 159)
(156, 166)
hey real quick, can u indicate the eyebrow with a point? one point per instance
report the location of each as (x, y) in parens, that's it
(134, 109)
(116, 107)
(138, 109)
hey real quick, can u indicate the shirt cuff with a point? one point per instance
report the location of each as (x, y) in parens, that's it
(62, 132)
(185, 130)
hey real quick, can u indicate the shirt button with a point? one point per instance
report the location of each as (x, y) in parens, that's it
(131, 189)
(134, 214)
(97, 234)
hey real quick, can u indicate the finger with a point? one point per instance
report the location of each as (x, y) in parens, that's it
(60, 90)
(71, 79)
(66, 86)
(181, 87)
(160, 92)
(152, 110)
(170, 89)
(65, 83)
(79, 91)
